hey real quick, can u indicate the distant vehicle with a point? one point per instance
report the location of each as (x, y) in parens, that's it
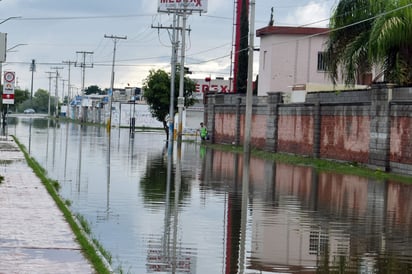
(29, 111)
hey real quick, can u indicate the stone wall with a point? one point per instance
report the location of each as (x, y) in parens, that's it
(372, 126)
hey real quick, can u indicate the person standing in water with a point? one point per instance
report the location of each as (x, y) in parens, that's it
(203, 132)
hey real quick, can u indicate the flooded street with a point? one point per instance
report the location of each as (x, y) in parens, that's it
(195, 211)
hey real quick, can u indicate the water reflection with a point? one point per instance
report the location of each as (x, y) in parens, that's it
(196, 210)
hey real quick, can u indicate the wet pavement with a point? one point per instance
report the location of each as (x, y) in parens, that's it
(34, 235)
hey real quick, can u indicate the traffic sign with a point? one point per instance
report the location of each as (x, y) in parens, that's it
(8, 87)
(8, 99)
(9, 76)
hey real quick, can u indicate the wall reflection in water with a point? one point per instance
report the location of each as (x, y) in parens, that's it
(302, 220)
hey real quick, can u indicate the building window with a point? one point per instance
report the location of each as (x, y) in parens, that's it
(322, 61)
(318, 242)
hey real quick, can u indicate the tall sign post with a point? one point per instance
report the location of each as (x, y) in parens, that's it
(3, 50)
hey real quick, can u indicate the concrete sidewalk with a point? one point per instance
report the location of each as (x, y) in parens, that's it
(34, 236)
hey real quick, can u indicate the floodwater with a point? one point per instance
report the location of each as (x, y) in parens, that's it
(193, 211)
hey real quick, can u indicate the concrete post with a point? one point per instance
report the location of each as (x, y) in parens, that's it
(316, 130)
(237, 130)
(210, 123)
(379, 145)
(274, 99)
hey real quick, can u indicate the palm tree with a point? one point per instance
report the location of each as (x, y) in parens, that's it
(366, 33)
(347, 47)
(391, 44)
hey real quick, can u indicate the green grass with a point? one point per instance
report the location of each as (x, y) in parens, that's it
(321, 165)
(52, 187)
(1, 179)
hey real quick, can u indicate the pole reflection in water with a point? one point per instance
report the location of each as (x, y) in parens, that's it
(47, 141)
(66, 148)
(30, 125)
(54, 143)
(108, 147)
(166, 230)
(178, 178)
(244, 217)
(79, 166)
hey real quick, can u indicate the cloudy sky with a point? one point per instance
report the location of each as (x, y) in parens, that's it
(54, 31)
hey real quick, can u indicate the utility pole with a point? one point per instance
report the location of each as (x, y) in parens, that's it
(32, 69)
(69, 95)
(115, 39)
(249, 92)
(63, 81)
(174, 42)
(83, 65)
(181, 98)
(50, 77)
(56, 90)
(175, 46)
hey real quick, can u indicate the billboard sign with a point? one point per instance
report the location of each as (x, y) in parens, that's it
(190, 5)
(3, 47)
(213, 85)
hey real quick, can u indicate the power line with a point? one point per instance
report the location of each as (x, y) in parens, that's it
(83, 17)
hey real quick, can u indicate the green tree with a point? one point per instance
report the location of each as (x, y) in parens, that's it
(153, 183)
(40, 102)
(348, 41)
(366, 33)
(156, 91)
(390, 40)
(20, 96)
(93, 90)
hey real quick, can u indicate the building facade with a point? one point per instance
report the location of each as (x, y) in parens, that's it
(292, 60)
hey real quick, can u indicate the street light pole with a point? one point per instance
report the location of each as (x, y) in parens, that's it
(12, 17)
(15, 46)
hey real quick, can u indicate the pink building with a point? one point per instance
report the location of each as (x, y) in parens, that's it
(292, 60)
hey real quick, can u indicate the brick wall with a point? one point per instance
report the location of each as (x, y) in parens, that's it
(373, 126)
(295, 134)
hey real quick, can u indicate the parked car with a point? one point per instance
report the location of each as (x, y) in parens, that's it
(29, 111)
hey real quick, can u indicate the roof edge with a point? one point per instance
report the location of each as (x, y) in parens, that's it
(290, 31)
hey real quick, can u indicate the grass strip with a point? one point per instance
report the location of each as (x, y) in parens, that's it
(321, 165)
(88, 248)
